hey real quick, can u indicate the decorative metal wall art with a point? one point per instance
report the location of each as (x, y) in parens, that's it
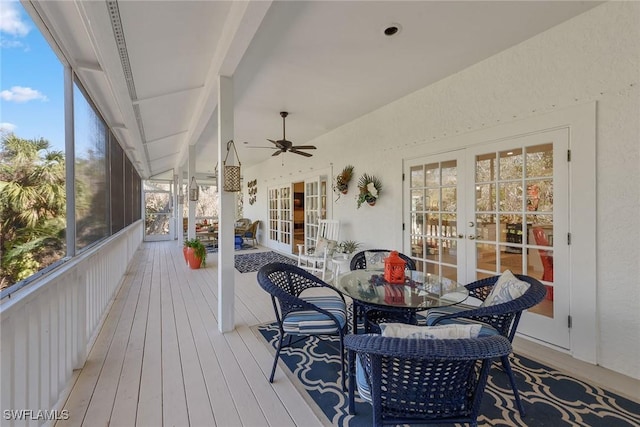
(253, 191)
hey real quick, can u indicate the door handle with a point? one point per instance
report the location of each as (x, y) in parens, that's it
(472, 237)
(472, 224)
(460, 236)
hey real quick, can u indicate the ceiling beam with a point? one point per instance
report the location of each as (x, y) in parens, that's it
(161, 95)
(149, 141)
(240, 27)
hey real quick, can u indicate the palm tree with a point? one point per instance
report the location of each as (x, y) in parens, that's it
(32, 207)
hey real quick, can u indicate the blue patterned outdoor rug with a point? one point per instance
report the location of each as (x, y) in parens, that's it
(245, 247)
(246, 263)
(550, 397)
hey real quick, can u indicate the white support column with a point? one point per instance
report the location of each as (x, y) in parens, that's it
(226, 214)
(179, 207)
(191, 233)
(70, 154)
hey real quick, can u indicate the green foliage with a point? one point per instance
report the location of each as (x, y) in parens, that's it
(370, 188)
(199, 249)
(32, 207)
(343, 179)
(348, 246)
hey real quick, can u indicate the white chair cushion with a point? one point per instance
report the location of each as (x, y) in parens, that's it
(325, 244)
(507, 288)
(375, 260)
(435, 313)
(402, 330)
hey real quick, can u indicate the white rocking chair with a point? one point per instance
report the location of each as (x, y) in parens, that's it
(314, 259)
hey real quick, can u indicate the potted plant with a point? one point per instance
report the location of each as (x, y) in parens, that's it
(370, 188)
(343, 179)
(196, 253)
(347, 247)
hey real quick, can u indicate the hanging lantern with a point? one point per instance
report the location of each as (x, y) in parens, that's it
(194, 190)
(394, 268)
(180, 192)
(231, 178)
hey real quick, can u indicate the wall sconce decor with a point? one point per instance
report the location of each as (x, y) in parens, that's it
(253, 191)
(180, 197)
(180, 192)
(194, 190)
(231, 172)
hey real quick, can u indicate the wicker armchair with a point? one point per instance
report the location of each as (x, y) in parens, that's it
(252, 232)
(423, 381)
(302, 315)
(503, 317)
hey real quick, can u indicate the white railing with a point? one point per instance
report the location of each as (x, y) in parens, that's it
(48, 328)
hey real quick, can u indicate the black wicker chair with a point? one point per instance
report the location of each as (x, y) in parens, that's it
(502, 317)
(372, 316)
(359, 260)
(299, 315)
(423, 381)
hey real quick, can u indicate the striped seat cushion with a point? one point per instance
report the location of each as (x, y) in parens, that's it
(312, 322)
(364, 388)
(435, 313)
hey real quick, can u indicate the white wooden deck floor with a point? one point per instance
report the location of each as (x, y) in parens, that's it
(160, 359)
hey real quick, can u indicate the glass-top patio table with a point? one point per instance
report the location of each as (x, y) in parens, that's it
(420, 291)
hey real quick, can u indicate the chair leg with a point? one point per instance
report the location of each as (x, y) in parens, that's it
(507, 367)
(352, 382)
(342, 362)
(275, 360)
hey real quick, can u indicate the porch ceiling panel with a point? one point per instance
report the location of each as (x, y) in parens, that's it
(186, 34)
(164, 147)
(325, 62)
(165, 162)
(168, 115)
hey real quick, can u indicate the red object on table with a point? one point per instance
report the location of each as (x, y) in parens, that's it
(393, 294)
(394, 268)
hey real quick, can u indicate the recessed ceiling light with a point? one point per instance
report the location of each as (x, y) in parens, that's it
(392, 30)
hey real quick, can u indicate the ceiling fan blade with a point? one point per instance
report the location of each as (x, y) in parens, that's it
(302, 153)
(277, 153)
(303, 147)
(277, 143)
(257, 146)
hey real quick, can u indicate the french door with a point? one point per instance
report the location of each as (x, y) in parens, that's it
(315, 207)
(281, 213)
(281, 218)
(477, 212)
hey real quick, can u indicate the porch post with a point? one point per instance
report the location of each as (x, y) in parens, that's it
(70, 155)
(179, 207)
(226, 214)
(191, 229)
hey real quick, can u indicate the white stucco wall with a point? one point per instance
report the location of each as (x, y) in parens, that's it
(593, 57)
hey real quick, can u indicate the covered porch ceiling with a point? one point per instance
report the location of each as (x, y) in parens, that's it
(152, 66)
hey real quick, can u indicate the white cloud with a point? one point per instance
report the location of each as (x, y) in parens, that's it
(10, 20)
(22, 94)
(4, 43)
(7, 127)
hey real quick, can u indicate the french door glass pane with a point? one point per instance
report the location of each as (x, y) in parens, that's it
(434, 204)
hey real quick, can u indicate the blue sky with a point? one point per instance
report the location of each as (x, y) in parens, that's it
(31, 79)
